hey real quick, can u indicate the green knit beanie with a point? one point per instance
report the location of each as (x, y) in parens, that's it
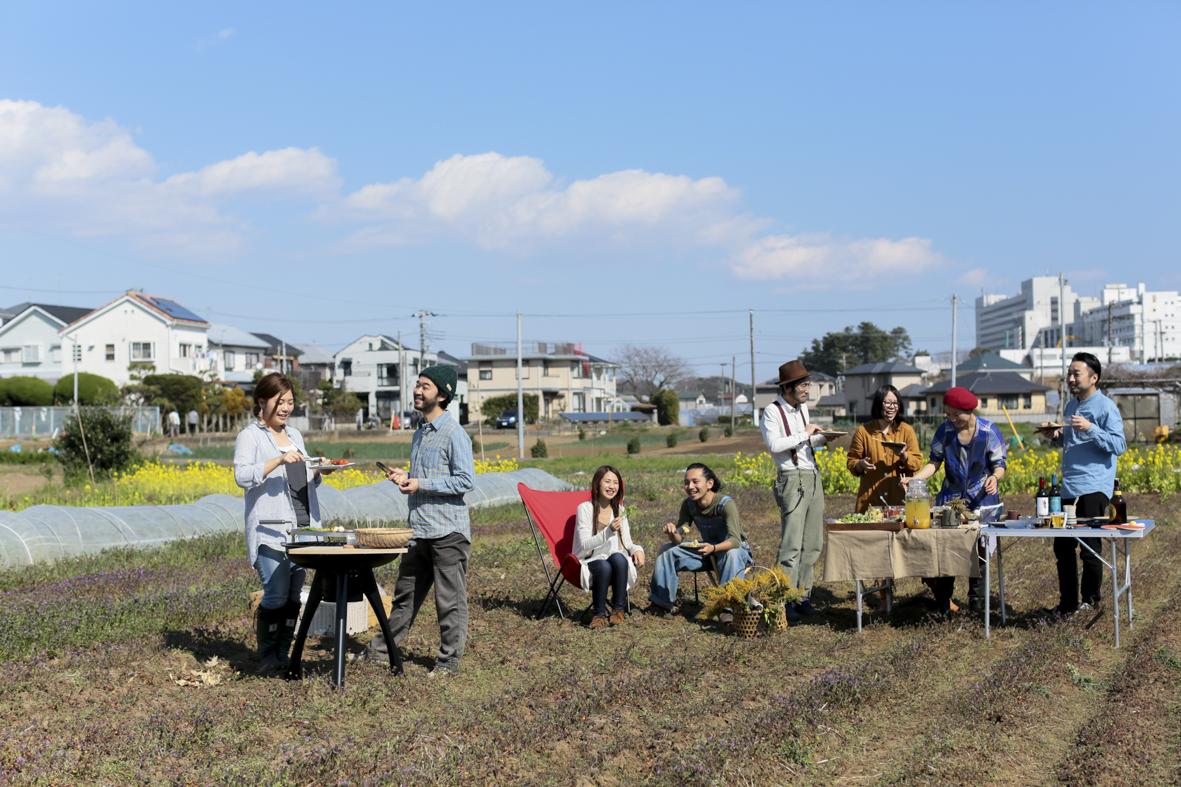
(444, 378)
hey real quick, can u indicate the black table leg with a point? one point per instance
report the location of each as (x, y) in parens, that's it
(373, 593)
(295, 670)
(342, 616)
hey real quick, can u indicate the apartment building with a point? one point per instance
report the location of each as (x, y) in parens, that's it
(565, 378)
(1014, 322)
(371, 367)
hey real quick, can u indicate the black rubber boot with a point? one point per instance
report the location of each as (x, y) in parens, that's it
(267, 626)
(287, 633)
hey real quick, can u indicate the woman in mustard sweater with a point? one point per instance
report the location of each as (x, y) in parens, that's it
(877, 464)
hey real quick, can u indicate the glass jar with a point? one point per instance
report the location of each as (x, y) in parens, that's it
(918, 504)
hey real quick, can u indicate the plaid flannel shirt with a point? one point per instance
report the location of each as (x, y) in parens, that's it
(441, 460)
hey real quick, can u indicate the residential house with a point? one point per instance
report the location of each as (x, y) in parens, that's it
(564, 377)
(461, 403)
(997, 392)
(141, 330)
(991, 362)
(280, 356)
(235, 355)
(692, 400)
(370, 367)
(316, 364)
(914, 399)
(862, 382)
(29, 342)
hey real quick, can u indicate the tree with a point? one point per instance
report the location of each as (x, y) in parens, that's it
(92, 389)
(337, 401)
(867, 343)
(644, 370)
(978, 351)
(26, 392)
(181, 392)
(668, 407)
(495, 405)
(105, 445)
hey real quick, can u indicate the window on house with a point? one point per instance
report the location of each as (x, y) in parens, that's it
(524, 370)
(1027, 402)
(984, 401)
(186, 351)
(576, 372)
(548, 369)
(251, 361)
(11, 354)
(1009, 401)
(142, 351)
(485, 370)
(32, 353)
(346, 368)
(230, 359)
(110, 352)
(57, 353)
(580, 403)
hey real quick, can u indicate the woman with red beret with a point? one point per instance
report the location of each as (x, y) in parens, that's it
(972, 451)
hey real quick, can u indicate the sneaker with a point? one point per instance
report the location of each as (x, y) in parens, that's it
(805, 607)
(618, 616)
(598, 622)
(444, 669)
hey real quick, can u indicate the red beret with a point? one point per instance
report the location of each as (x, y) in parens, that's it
(960, 399)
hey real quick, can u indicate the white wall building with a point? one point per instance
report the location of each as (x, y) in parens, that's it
(1144, 322)
(137, 329)
(1013, 322)
(29, 341)
(370, 368)
(234, 355)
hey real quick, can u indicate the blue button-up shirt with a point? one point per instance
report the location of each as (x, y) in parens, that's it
(441, 460)
(1089, 458)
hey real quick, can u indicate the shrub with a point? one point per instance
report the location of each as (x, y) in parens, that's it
(92, 389)
(729, 430)
(477, 446)
(26, 392)
(539, 451)
(668, 407)
(107, 443)
(671, 440)
(179, 391)
(581, 433)
(703, 435)
(633, 445)
(495, 405)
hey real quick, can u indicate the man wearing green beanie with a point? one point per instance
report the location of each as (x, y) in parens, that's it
(441, 471)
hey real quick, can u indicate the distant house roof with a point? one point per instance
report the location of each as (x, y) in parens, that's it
(223, 335)
(912, 391)
(989, 362)
(65, 314)
(832, 400)
(312, 354)
(450, 360)
(165, 308)
(990, 383)
(276, 345)
(689, 394)
(890, 367)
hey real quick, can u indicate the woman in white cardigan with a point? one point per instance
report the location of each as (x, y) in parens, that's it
(603, 543)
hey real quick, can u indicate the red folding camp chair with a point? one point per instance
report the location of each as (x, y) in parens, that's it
(553, 513)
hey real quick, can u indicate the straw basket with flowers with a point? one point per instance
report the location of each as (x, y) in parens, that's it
(756, 597)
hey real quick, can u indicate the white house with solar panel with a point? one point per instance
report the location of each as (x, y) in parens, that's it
(136, 328)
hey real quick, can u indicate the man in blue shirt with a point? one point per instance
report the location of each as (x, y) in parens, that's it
(1092, 438)
(441, 471)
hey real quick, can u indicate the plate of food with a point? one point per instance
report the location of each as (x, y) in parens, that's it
(831, 433)
(897, 445)
(334, 464)
(694, 544)
(1050, 427)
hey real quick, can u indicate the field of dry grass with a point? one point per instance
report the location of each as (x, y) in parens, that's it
(136, 668)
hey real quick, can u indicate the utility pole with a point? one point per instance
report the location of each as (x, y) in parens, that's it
(401, 383)
(1110, 304)
(283, 355)
(722, 395)
(520, 397)
(954, 335)
(733, 391)
(754, 386)
(1062, 342)
(422, 315)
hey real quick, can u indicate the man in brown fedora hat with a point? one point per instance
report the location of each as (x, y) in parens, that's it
(798, 488)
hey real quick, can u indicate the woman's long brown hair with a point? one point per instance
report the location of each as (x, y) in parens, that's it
(615, 501)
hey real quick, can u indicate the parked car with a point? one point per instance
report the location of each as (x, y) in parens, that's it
(506, 420)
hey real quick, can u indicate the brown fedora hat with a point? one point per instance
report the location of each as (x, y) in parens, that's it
(792, 372)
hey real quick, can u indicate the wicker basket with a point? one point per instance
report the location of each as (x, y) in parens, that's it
(384, 537)
(747, 623)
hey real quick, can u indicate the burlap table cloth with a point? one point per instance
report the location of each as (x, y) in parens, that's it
(880, 554)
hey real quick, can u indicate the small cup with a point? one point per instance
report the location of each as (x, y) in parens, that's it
(1012, 516)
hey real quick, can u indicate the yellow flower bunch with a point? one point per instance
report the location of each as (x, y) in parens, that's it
(496, 465)
(351, 477)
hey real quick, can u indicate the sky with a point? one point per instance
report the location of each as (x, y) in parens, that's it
(643, 173)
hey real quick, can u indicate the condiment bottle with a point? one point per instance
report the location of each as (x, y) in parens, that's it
(1117, 509)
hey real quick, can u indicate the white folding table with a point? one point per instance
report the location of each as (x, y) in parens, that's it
(1115, 536)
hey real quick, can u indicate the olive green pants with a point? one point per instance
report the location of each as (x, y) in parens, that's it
(800, 495)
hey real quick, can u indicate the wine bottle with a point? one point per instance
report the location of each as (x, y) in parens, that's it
(1117, 509)
(1055, 495)
(1042, 498)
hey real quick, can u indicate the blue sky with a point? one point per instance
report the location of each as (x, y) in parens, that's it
(638, 173)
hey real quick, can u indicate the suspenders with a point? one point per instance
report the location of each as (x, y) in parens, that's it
(795, 460)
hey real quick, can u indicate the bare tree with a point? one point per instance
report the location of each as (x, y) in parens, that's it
(644, 370)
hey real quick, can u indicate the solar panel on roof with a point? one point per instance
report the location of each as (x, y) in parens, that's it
(171, 308)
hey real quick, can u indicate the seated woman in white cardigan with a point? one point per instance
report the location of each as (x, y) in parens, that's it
(602, 541)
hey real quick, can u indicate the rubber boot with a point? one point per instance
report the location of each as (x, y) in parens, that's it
(287, 633)
(267, 626)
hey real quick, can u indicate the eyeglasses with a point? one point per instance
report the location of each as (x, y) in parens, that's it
(894, 405)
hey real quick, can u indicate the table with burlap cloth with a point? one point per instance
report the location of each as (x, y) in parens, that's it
(882, 554)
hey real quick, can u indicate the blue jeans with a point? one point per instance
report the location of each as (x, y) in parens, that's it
(282, 580)
(673, 559)
(612, 573)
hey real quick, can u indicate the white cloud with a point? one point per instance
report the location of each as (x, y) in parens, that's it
(977, 277)
(515, 204)
(217, 38)
(61, 172)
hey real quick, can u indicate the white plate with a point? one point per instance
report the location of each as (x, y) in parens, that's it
(331, 467)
